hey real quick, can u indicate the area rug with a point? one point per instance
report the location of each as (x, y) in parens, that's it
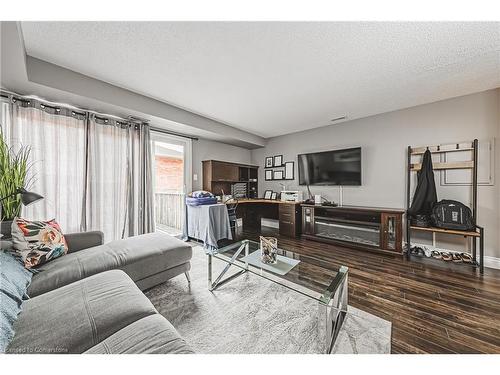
(252, 315)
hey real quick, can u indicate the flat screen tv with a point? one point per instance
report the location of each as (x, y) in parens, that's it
(337, 167)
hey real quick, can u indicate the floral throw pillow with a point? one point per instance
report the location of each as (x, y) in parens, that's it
(38, 241)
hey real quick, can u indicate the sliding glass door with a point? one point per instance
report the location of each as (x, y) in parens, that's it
(171, 179)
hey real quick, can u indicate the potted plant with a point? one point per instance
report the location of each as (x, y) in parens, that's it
(14, 167)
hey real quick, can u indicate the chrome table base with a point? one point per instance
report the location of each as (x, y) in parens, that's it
(219, 281)
(332, 304)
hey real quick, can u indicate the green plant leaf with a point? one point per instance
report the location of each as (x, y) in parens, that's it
(13, 170)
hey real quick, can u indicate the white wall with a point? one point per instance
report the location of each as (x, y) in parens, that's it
(384, 139)
(211, 150)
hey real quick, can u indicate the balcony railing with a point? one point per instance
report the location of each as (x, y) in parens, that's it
(169, 209)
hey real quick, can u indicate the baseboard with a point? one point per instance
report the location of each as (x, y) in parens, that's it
(492, 262)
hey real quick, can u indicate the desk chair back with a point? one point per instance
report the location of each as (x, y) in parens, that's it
(232, 204)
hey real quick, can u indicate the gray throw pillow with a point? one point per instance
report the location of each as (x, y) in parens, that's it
(14, 281)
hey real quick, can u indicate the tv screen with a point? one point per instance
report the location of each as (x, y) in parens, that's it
(338, 167)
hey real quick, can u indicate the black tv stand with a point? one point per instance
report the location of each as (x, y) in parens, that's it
(329, 204)
(369, 228)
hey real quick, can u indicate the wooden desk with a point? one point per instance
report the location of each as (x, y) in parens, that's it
(265, 201)
(287, 213)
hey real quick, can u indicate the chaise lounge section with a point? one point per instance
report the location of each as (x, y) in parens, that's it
(148, 259)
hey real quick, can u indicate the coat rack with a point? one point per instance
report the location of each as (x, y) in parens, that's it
(478, 231)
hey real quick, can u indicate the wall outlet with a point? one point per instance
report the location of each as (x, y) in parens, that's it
(195, 177)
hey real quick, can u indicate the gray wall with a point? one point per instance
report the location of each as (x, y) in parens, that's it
(384, 139)
(211, 150)
(497, 173)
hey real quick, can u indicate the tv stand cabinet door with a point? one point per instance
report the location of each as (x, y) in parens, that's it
(308, 221)
(391, 232)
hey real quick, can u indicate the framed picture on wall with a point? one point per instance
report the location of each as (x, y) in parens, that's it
(268, 194)
(289, 170)
(278, 175)
(278, 161)
(268, 175)
(269, 162)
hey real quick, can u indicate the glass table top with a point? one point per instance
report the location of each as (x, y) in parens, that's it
(305, 274)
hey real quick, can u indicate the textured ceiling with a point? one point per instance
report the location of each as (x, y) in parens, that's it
(273, 78)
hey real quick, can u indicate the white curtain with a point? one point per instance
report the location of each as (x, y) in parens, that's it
(95, 173)
(107, 182)
(119, 192)
(57, 145)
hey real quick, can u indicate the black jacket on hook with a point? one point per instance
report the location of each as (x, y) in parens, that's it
(425, 196)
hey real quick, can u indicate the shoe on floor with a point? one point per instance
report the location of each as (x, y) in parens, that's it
(446, 256)
(466, 257)
(436, 254)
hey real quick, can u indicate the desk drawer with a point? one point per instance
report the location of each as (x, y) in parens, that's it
(287, 208)
(289, 222)
(290, 216)
(287, 228)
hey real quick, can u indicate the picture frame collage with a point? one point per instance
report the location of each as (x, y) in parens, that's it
(272, 195)
(276, 170)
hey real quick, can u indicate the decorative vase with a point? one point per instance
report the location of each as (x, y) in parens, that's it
(269, 250)
(6, 229)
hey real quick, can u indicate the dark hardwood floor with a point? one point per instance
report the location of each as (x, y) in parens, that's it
(434, 308)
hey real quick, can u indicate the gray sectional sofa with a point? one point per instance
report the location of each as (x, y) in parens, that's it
(90, 300)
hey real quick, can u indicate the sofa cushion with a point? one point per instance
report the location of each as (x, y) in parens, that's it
(139, 257)
(83, 240)
(38, 241)
(78, 316)
(152, 335)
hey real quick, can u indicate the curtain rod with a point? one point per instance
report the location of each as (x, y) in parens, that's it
(158, 130)
(132, 119)
(50, 104)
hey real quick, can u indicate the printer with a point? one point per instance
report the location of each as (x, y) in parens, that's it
(291, 196)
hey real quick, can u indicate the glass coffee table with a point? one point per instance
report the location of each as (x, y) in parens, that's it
(303, 274)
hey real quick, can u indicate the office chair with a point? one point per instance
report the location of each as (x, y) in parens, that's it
(231, 205)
